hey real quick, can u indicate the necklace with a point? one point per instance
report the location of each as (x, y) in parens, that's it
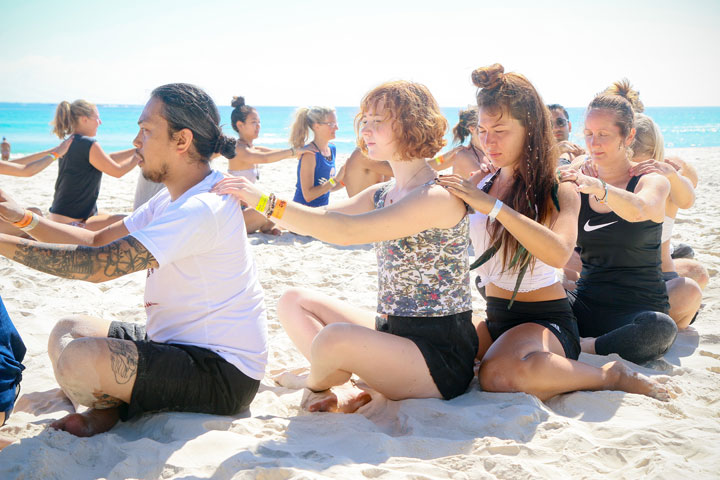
(411, 178)
(326, 157)
(474, 150)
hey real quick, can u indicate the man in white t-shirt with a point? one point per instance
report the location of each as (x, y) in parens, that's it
(204, 347)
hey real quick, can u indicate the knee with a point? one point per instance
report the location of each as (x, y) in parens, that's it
(503, 375)
(75, 365)
(330, 342)
(660, 334)
(291, 300)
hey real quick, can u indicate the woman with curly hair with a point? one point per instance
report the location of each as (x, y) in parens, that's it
(421, 342)
(525, 228)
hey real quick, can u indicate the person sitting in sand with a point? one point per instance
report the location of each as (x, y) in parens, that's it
(12, 353)
(204, 347)
(316, 168)
(684, 292)
(362, 172)
(561, 128)
(80, 170)
(620, 300)
(523, 229)
(27, 167)
(5, 150)
(421, 343)
(245, 121)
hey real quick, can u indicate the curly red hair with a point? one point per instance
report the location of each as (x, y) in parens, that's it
(417, 122)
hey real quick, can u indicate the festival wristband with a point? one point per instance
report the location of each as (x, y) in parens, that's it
(495, 210)
(25, 220)
(33, 223)
(342, 183)
(440, 159)
(332, 181)
(279, 209)
(262, 204)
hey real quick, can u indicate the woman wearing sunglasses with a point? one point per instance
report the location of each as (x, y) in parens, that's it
(316, 169)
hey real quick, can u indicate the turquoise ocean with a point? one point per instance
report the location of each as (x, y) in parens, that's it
(27, 126)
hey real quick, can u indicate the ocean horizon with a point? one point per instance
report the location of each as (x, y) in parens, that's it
(27, 125)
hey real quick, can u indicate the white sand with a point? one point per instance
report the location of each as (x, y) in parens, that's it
(477, 435)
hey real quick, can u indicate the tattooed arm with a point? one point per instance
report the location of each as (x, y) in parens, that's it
(93, 264)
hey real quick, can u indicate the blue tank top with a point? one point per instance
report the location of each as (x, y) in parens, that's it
(324, 169)
(78, 183)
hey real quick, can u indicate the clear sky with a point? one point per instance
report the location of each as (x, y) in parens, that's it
(318, 52)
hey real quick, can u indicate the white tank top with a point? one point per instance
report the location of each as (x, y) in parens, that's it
(251, 173)
(667, 229)
(538, 274)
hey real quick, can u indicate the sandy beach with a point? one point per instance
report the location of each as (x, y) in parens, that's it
(477, 435)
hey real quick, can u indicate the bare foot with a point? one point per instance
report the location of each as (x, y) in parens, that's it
(587, 345)
(345, 398)
(290, 380)
(624, 379)
(89, 423)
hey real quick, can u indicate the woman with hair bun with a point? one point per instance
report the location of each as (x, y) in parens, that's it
(245, 121)
(620, 300)
(470, 159)
(421, 343)
(316, 176)
(80, 170)
(523, 229)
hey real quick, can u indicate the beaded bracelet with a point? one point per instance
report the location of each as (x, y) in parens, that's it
(280, 209)
(440, 159)
(602, 200)
(55, 155)
(271, 205)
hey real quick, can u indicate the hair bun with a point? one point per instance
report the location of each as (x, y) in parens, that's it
(624, 89)
(237, 102)
(225, 146)
(488, 77)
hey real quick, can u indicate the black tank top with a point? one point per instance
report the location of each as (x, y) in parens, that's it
(621, 259)
(78, 183)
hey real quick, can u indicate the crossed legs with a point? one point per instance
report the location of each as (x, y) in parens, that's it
(93, 370)
(339, 340)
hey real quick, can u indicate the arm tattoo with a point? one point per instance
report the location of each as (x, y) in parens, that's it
(123, 360)
(121, 257)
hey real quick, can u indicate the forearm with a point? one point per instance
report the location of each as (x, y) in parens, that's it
(270, 156)
(79, 262)
(124, 162)
(310, 194)
(627, 205)
(682, 192)
(330, 227)
(32, 158)
(25, 170)
(544, 244)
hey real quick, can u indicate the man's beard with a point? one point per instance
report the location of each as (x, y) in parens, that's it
(157, 176)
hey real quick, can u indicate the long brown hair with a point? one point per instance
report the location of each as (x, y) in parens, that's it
(534, 177)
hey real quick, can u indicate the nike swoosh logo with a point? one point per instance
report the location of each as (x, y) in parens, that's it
(589, 228)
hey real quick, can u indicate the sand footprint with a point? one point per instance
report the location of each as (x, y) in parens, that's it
(716, 356)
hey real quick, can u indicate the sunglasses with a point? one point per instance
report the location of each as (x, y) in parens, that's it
(560, 122)
(329, 124)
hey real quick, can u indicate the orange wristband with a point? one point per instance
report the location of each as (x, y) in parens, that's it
(25, 221)
(279, 209)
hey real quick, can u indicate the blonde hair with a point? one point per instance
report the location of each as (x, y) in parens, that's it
(67, 115)
(648, 139)
(305, 118)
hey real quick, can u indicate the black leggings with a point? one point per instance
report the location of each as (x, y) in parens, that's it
(636, 335)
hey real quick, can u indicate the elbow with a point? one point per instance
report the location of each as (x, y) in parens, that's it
(687, 203)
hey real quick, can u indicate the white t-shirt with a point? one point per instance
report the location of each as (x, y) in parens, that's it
(206, 291)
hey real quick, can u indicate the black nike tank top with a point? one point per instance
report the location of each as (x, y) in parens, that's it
(621, 260)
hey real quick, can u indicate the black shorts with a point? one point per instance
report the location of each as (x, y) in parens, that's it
(667, 276)
(182, 378)
(448, 344)
(555, 315)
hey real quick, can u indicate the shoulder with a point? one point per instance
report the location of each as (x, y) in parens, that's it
(653, 181)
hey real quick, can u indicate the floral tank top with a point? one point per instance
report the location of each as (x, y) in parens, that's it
(426, 274)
